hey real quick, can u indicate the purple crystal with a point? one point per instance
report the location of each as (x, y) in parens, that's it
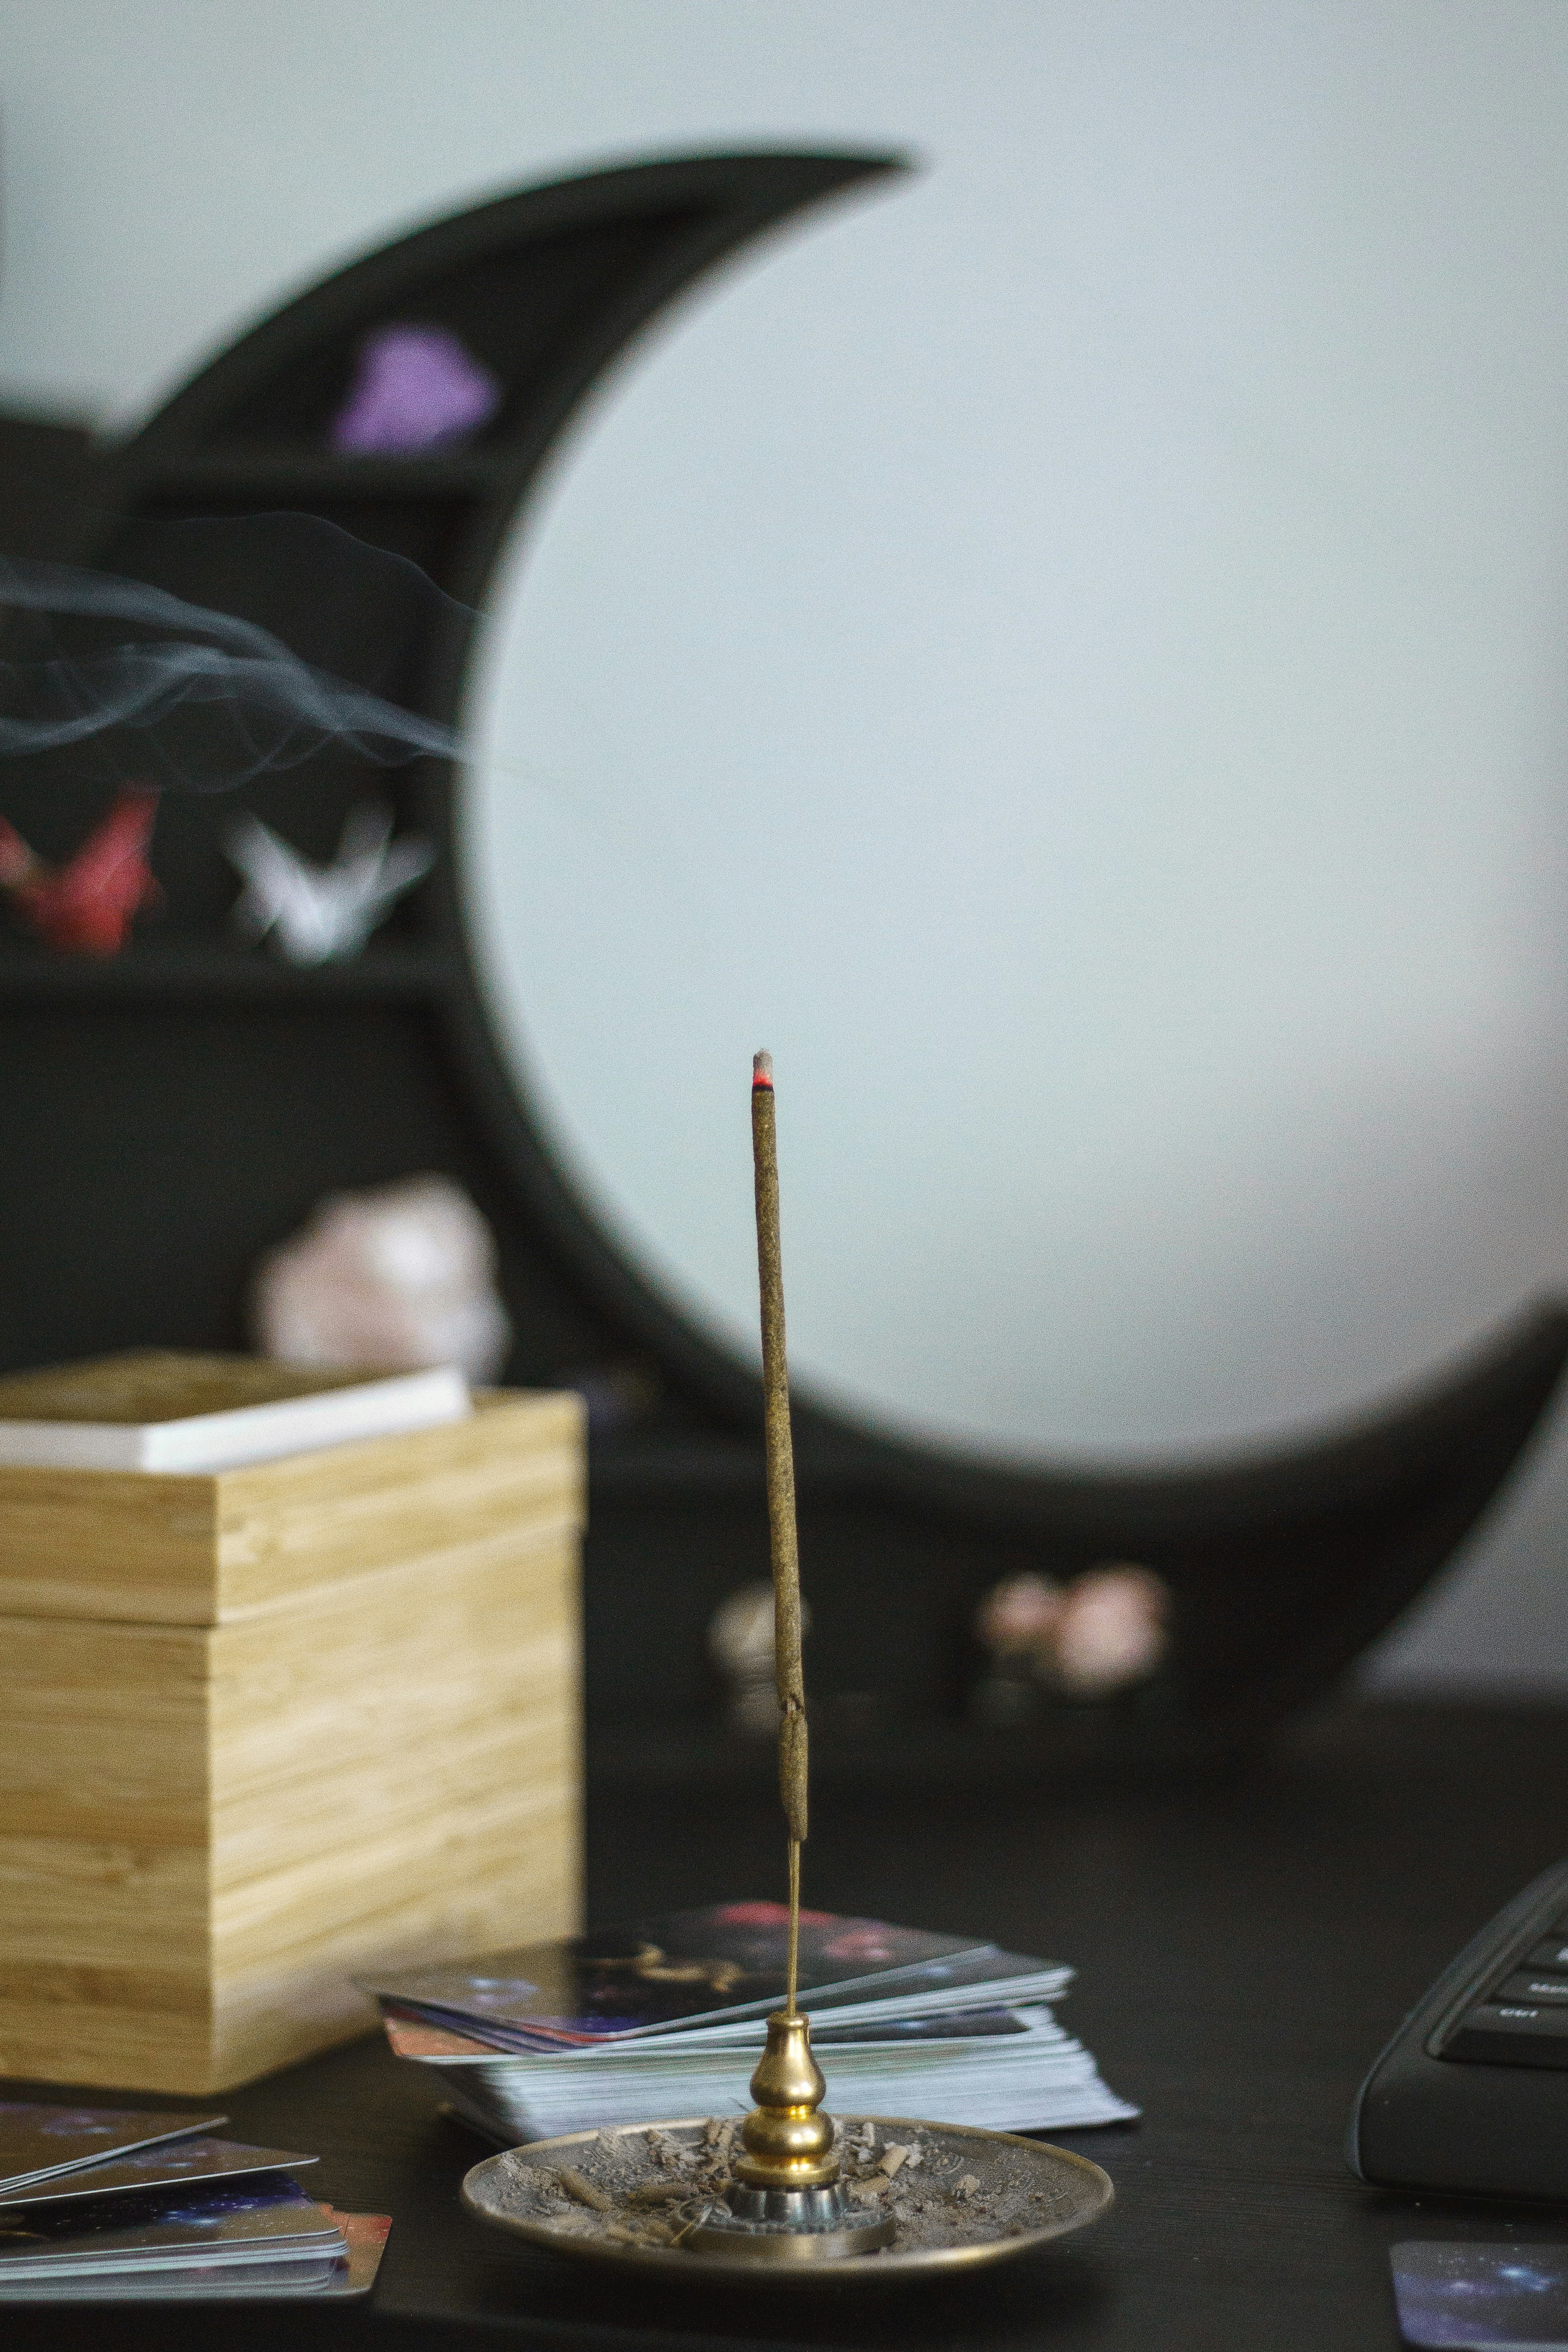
(416, 387)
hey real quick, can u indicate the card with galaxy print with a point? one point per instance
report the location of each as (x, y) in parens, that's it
(164, 2166)
(1464, 2296)
(249, 2220)
(37, 2142)
(727, 1962)
(306, 2275)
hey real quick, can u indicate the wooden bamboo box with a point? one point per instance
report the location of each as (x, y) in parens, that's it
(265, 1728)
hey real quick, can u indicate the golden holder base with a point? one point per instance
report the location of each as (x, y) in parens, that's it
(791, 2225)
(1055, 2191)
(787, 2201)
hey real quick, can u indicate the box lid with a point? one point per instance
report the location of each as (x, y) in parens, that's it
(168, 1409)
(199, 1549)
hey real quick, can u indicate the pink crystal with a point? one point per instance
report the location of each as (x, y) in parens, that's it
(393, 1279)
(416, 387)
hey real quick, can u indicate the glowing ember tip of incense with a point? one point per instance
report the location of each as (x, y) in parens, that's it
(761, 1069)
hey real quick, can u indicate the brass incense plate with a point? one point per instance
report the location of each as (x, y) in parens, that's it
(1020, 2193)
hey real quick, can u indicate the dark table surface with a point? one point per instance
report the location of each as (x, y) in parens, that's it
(1246, 1943)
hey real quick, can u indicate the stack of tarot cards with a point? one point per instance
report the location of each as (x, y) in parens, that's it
(101, 2205)
(664, 2020)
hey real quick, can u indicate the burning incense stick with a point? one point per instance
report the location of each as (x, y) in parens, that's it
(781, 1496)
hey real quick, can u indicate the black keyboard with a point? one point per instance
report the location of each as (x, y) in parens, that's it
(1520, 2017)
(1470, 2092)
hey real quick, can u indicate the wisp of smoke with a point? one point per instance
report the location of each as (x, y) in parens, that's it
(278, 710)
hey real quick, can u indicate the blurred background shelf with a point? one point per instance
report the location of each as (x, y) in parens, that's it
(222, 975)
(304, 473)
(171, 1115)
(852, 1746)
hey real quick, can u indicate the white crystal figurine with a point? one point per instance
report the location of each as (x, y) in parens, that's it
(317, 913)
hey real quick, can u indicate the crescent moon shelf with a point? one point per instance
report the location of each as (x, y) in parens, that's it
(255, 1089)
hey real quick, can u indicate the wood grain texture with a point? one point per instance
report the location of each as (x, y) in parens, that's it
(206, 1828)
(139, 1547)
(145, 1385)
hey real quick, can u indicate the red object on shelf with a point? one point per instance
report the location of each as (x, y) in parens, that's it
(87, 905)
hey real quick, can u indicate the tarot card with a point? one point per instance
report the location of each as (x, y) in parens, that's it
(247, 2220)
(37, 2142)
(618, 1983)
(948, 2025)
(305, 2277)
(1465, 2297)
(162, 2165)
(285, 2275)
(365, 2236)
(411, 2037)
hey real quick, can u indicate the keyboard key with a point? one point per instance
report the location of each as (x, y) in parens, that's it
(1528, 1988)
(1551, 1954)
(1512, 2033)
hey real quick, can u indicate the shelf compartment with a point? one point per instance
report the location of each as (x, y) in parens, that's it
(222, 975)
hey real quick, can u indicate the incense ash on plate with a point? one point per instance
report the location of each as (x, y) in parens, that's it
(635, 2196)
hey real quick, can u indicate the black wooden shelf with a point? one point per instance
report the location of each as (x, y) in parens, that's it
(249, 469)
(169, 1114)
(216, 973)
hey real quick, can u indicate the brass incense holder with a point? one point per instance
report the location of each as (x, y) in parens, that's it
(788, 2201)
(1021, 2195)
(782, 2208)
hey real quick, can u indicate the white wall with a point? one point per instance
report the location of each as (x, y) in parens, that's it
(1218, 680)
